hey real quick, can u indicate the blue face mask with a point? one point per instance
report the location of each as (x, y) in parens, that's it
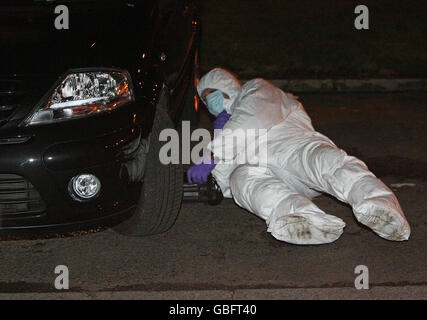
(215, 102)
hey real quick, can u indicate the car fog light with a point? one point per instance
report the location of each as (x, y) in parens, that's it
(84, 186)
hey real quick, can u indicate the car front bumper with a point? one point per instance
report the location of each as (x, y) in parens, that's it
(103, 146)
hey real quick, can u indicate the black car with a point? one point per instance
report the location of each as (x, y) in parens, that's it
(81, 108)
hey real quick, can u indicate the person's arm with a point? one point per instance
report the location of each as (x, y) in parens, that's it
(199, 173)
(221, 120)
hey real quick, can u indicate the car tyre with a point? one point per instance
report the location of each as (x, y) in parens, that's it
(162, 189)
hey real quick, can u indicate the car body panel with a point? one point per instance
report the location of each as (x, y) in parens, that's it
(128, 35)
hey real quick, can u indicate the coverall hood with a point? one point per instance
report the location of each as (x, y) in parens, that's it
(222, 80)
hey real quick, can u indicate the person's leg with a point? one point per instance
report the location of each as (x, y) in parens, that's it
(373, 203)
(290, 216)
(323, 166)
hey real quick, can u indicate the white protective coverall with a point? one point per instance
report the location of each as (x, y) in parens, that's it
(300, 164)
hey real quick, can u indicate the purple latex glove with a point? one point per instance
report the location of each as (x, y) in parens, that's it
(199, 173)
(221, 120)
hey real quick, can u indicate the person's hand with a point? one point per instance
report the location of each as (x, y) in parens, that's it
(221, 120)
(199, 173)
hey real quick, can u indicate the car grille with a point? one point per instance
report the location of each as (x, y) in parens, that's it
(19, 198)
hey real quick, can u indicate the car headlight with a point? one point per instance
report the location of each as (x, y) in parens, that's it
(81, 93)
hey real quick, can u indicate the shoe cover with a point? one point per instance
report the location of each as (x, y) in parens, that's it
(306, 228)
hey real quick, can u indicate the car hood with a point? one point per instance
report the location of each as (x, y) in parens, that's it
(98, 32)
(34, 53)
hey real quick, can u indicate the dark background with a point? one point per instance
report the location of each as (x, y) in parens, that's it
(314, 39)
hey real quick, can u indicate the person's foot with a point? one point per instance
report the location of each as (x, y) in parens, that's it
(307, 228)
(385, 222)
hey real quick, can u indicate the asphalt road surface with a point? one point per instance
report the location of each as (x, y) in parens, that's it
(224, 252)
